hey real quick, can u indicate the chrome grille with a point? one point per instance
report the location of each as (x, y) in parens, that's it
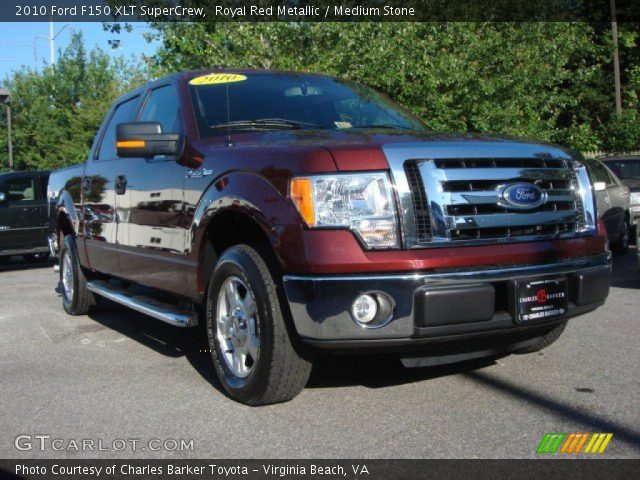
(459, 199)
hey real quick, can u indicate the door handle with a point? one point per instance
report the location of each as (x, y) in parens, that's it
(121, 184)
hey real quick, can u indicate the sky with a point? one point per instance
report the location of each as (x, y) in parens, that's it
(12, 56)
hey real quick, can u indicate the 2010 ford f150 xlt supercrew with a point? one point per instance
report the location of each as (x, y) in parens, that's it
(292, 212)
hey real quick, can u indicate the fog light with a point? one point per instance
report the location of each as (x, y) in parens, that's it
(364, 308)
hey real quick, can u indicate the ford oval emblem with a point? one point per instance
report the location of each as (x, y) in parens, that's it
(522, 196)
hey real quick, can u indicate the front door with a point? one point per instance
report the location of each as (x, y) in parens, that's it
(152, 229)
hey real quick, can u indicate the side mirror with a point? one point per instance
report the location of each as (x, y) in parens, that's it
(3, 197)
(599, 186)
(145, 139)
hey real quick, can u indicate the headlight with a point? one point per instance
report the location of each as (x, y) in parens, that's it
(635, 198)
(361, 202)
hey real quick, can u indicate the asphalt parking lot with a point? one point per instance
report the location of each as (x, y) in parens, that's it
(120, 375)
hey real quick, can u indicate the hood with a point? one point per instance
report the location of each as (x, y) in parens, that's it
(363, 149)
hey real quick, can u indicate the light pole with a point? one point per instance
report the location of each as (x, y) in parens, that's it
(5, 99)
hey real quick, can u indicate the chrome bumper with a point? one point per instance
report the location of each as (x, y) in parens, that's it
(320, 305)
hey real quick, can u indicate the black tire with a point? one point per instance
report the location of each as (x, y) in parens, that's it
(545, 340)
(79, 300)
(282, 367)
(4, 259)
(621, 245)
(36, 257)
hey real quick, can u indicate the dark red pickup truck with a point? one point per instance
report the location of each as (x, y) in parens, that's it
(293, 212)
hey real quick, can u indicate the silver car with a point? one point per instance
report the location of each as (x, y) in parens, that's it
(613, 200)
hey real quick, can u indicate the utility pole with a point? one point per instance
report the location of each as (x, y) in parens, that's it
(52, 50)
(616, 57)
(51, 38)
(5, 98)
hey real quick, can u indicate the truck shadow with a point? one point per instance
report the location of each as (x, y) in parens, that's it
(165, 339)
(18, 263)
(380, 370)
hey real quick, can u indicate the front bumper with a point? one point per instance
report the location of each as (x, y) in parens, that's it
(472, 303)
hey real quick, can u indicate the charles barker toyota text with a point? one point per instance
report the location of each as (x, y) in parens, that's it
(170, 469)
(293, 213)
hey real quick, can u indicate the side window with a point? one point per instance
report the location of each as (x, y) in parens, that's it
(19, 190)
(125, 112)
(163, 107)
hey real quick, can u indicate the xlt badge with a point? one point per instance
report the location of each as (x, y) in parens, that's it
(199, 173)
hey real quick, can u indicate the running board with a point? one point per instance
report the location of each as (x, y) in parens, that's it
(149, 306)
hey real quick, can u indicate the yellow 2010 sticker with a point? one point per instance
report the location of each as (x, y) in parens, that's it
(217, 78)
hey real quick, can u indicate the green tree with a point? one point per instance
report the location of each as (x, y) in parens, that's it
(549, 81)
(56, 111)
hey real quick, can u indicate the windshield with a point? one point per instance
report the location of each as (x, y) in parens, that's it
(289, 101)
(625, 169)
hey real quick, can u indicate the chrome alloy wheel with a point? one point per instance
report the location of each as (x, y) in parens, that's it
(237, 334)
(66, 275)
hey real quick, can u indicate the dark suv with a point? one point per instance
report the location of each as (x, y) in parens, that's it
(23, 215)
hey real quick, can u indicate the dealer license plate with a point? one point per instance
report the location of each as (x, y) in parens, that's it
(541, 300)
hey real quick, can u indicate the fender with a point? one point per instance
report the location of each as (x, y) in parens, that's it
(65, 205)
(248, 193)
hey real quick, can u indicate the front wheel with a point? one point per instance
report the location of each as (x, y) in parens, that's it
(256, 355)
(76, 297)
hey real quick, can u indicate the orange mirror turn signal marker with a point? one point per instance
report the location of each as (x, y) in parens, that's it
(130, 144)
(302, 196)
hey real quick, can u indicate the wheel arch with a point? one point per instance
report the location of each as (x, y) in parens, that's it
(67, 220)
(237, 208)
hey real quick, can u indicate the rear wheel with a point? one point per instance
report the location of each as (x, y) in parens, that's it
(255, 353)
(545, 340)
(621, 245)
(36, 257)
(76, 298)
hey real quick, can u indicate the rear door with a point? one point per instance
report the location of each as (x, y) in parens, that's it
(20, 226)
(101, 218)
(152, 231)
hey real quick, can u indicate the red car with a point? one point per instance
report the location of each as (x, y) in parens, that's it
(296, 212)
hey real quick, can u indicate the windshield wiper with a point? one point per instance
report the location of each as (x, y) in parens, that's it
(263, 123)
